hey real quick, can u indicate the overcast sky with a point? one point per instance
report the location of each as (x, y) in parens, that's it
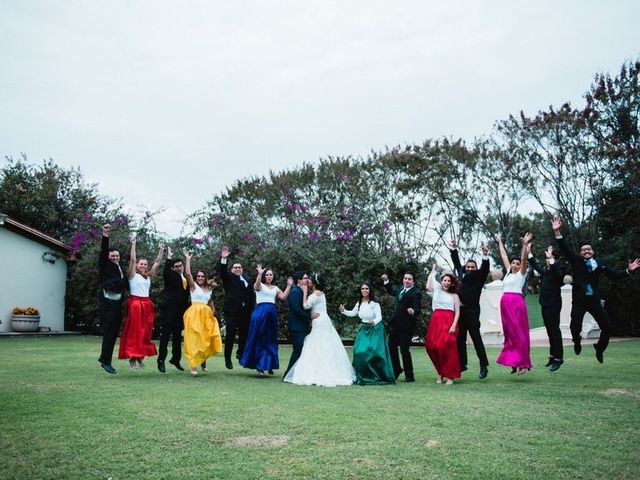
(166, 103)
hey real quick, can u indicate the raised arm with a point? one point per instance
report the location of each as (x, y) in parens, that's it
(455, 257)
(223, 269)
(187, 271)
(484, 266)
(131, 272)
(431, 279)
(103, 259)
(283, 295)
(257, 285)
(157, 261)
(525, 252)
(533, 261)
(503, 252)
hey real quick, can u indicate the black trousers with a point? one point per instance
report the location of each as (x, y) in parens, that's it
(172, 325)
(595, 308)
(297, 338)
(402, 340)
(551, 319)
(110, 320)
(235, 325)
(469, 321)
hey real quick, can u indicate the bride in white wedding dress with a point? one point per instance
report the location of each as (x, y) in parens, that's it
(323, 360)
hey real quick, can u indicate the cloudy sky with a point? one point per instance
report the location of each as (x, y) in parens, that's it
(166, 103)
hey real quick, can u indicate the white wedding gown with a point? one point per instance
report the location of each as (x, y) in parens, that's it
(323, 360)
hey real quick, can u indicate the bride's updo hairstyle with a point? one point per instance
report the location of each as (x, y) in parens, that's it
(318, 282)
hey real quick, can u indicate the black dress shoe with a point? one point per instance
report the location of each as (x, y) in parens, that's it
(483, 373)
(577, 347)
(463, 369)
(514, 370)
(108, 368)
(555, 365)
(399, 373)
(409, 379)
(550, 362)
(599, 354)
(161, 367)
(228, 364)
(176, 363)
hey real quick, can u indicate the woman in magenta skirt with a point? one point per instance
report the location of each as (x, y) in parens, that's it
(513, 311)
(442, 332)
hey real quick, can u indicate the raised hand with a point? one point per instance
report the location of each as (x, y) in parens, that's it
(634, 264)
(556, 224)
(106, 230)
(341, 308)
(259, 269)
(169, 252)
(187, 255)
(549, 252)
(224, 253)
(484, 249)
(385, 277)
(527, 238)
(290, 281)
(454, 244)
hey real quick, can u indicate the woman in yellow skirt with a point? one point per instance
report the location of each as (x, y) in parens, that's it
(201, 330)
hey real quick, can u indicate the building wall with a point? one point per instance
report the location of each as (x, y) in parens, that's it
(28, 281)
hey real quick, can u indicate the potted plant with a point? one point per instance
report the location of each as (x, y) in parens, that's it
(25, 319)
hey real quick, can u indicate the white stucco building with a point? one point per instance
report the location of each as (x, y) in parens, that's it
(34, 274)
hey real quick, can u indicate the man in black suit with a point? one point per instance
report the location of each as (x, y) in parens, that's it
(586, 271)
(473, 280)
(239, 300)
(175, 300)
(403, 323)
(550, 299)
(298, 319)
(112, 287)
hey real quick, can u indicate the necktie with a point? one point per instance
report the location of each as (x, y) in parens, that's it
(184, 283)
(588, 288)
(404, 290)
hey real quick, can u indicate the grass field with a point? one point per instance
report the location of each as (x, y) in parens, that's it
(63, 417)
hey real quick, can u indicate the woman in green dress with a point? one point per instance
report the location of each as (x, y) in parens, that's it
(371, 359)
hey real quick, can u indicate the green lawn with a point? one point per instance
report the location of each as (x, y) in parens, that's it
(63, 417)
(533, 311)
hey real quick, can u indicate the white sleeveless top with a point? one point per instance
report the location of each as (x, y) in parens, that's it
(139, 286)
(266, 294)
(513, 283)
(200, 296)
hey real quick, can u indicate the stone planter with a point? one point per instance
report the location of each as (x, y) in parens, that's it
(25, 323)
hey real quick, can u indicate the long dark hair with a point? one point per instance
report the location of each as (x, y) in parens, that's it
(455, 283)
(372, 295)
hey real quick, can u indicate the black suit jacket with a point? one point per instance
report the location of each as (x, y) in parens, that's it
(401, 321)
(582, 276)
(174, 291)
(238, 299)
(112, 278)
(472, 282)
(298, 319)
(552, 277)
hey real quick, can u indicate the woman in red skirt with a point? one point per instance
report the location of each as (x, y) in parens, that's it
(442, 332)
(135, 340)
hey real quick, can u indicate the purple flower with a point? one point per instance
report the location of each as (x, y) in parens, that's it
(313, 236)
(197, 241)
(247, 238)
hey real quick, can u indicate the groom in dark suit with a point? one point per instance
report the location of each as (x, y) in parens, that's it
(113, 283)
(403, 323)
(239, 300)
(472, 282)
(175, 300)
(586, 270)
(298, 319)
